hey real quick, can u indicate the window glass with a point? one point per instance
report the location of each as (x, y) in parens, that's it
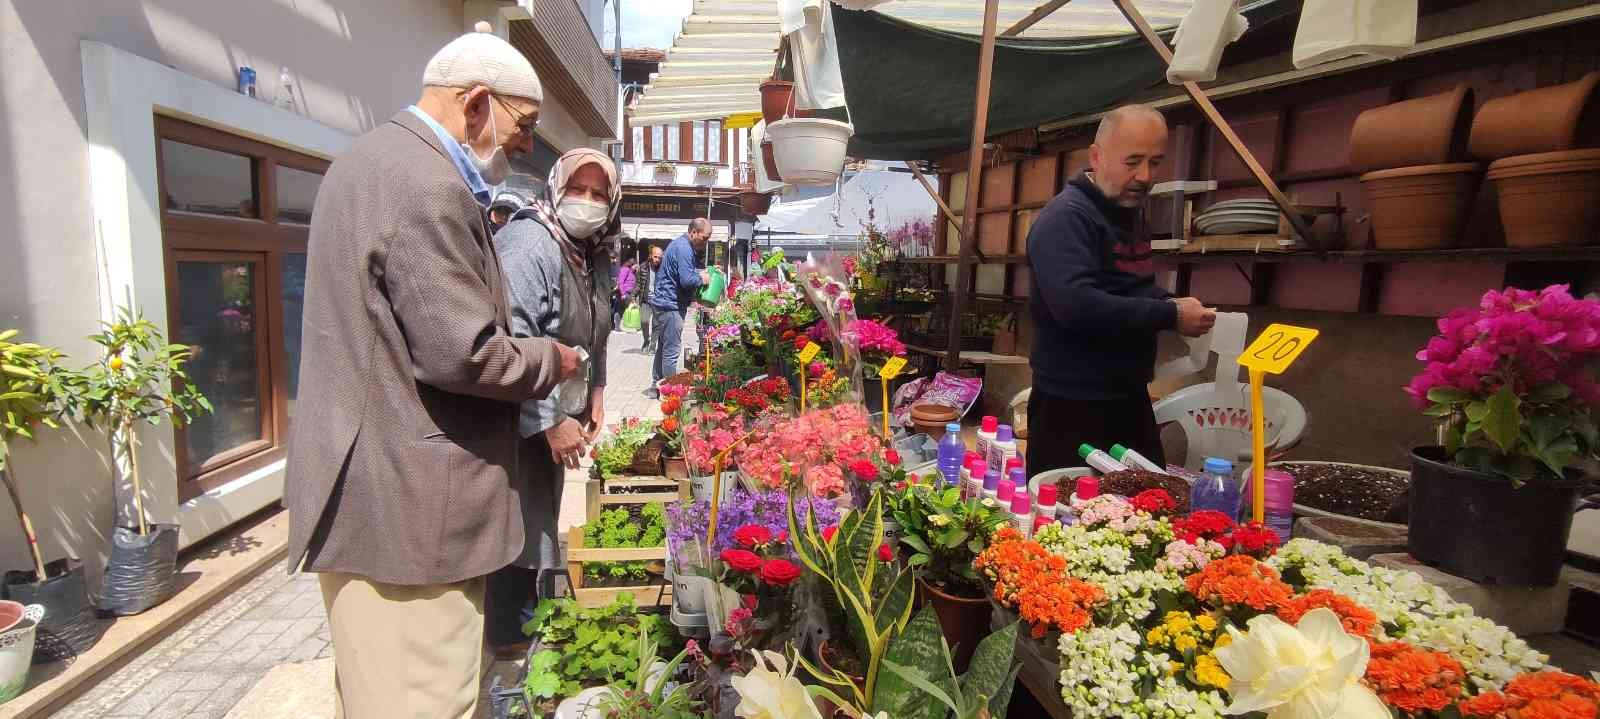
(674, 137)
(637, 149)
(714, 141)
(217, 317)
(297, 192)
(699, 141)
(293, 306)
(209, 182)
(658, 142)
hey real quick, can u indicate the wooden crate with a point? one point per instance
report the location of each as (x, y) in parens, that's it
(601, 494)
(643, 595)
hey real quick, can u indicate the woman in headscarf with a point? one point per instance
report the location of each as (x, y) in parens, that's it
(556, 260)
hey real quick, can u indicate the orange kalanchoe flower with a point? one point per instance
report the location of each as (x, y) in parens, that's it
(1539, 695)
(1357, 620)
(1034, 581)
(1240, 580)
(1412, 679)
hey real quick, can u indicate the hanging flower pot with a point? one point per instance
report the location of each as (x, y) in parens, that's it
(1549, 119)
(1420, 208)
(755, 203)
(1550, 199)
(1424, 131)
(769, 161)
(810, 151)
(776, 96)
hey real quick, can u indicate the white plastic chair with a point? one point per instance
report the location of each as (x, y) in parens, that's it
(1217, 423)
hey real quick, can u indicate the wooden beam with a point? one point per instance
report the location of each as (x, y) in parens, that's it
(969, 217)
(1198, 96)
(1033, 18)
(944, 208)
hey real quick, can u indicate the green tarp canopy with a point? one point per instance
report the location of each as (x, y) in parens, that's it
(911, 89)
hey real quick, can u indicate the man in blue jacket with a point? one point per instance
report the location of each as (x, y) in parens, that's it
(677, 281)
(1096, 307)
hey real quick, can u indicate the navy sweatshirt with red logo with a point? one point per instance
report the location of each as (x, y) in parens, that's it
(1096, 307)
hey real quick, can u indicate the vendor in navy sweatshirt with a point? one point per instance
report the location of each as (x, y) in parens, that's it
(1096, 306)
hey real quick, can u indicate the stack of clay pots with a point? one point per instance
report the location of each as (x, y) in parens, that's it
(777, 103)
(1545, 148)
(1414, 158)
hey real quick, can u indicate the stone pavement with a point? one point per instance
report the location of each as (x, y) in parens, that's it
(205, 667)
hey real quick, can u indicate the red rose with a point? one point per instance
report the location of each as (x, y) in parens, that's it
(828, 532)
(885, 553)
(741, 560)
(801, 341)
(864, 470)
(892, 457)
(751, 536)
(748, 601)
(779, 572)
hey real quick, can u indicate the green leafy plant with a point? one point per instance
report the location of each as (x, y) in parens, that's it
(35, 391)
(921, 681)
(645, 697)
(945, 534)
(614, 455)
(872, 595)
(140, 379)
(586, 647)
(617, 529)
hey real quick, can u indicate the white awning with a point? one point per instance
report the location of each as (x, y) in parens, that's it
(886, 200)
(716, 64)
(1079, 18)
(669, 229)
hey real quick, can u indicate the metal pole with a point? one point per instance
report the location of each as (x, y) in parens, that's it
(1039, 13)
(616, 42)
(969, 216)
(1198, 96)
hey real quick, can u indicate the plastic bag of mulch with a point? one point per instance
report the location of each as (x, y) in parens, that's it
(142, 571)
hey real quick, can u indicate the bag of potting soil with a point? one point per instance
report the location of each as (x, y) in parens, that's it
(141, 571)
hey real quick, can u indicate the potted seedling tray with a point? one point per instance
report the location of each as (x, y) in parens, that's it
(655, 591)
(603, 494)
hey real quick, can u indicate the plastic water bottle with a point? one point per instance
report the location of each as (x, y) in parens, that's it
(1134, 459)
(285, 97)
(1100, 460)
(951, 451)
(1216, 490)
(1280, 502)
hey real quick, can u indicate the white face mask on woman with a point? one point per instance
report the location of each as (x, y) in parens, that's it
(581, 218)
(494, 169)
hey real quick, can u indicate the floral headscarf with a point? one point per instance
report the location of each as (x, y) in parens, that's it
(543, 209)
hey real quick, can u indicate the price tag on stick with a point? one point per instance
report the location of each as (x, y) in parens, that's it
(890, 370)
(1278, 347)
(809, 352)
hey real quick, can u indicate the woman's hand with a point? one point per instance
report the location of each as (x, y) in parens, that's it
(566, 443)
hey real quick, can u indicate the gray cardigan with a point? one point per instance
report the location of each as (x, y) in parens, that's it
(534, 265)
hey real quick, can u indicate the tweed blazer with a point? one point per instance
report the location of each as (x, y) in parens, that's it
(403, 449)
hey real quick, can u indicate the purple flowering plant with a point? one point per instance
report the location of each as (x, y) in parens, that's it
(1513, 382)
(687, 521)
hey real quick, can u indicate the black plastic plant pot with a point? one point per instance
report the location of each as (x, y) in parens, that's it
(142, 571)
(69, 626)
(1480, 527)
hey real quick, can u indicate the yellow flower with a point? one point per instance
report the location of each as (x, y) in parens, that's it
(1206, 623)
(1208, 672)
(1185, 643)
(1155, 636)
(1311, 670)
(1174, 667)
(939, 520)
(1223, 640)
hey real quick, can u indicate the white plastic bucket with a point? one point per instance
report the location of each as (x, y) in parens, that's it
(1056, 477)
(810, 150)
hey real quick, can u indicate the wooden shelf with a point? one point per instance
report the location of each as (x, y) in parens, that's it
(973, 356)
(1472, 254)
(952, 259)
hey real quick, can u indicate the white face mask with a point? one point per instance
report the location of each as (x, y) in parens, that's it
(497, 166)
(582, 218)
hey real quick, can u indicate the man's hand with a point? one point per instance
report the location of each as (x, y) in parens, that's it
(597, 413)
(569, 361)
(1194, 318)
(566, 443)
(705, 278)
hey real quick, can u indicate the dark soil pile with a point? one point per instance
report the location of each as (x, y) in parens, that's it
(1352, 491)
(1133, 481)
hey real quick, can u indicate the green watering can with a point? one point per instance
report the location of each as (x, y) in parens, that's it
(711, 294)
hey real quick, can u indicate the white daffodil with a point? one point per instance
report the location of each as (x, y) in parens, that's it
(773, 693)
(1308, 671)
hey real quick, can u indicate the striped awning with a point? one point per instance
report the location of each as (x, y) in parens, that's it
(716, 64)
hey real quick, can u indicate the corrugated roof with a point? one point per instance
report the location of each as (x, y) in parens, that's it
(727, 47)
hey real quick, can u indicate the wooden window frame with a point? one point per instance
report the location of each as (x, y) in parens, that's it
(263, 240)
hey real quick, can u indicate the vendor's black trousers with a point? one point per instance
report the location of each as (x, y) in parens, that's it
(509, 590)
(1056, 426)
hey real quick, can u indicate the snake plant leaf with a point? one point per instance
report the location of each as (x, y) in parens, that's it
(989, 672)
(918, 648)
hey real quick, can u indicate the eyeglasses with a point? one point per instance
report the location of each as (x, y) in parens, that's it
(526, 122)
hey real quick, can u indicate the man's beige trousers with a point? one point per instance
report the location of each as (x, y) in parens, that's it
(402, 651)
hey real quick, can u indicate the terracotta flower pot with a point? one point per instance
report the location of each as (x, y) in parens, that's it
(769, 160)
(965, 621)
(1425, 131)
(776, 98)
(755, 203)
(827, 708)
(1549, 199)
(675, 467)
(1420, 208)
(1549, 119)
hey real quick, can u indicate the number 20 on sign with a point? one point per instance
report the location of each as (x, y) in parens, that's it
(1272, 352)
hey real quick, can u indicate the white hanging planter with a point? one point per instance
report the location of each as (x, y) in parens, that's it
(809, 150)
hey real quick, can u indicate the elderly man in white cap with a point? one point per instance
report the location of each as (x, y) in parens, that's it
(401, 481)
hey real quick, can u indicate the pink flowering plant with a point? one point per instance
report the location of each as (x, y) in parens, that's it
(875, 342)
(813, 450)
(1513, 382)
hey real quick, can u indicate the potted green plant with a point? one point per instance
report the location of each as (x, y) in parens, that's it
(704, 171)
(140, 380)
(1512, 383)
(37, 391)
(666, 168)
(942, 534)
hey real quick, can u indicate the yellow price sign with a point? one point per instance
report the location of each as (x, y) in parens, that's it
(1276, 348)
(892, 368)
(809, 352)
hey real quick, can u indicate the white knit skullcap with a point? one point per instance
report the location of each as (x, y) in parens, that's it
(482, 58)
